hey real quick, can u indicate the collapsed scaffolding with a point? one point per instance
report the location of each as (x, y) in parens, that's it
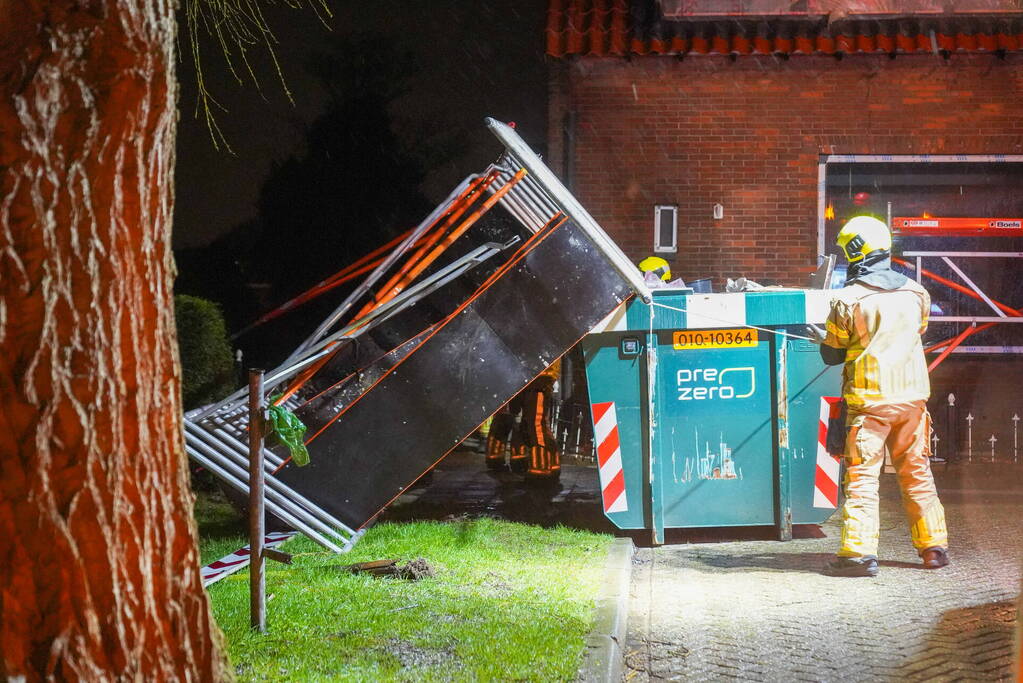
(421, 352)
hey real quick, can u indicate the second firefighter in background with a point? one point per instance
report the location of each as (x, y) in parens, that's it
(534, 448)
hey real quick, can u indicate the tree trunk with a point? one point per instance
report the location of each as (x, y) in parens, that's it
(99, 571)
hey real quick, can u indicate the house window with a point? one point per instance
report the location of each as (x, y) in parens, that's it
(957, 227)
(952, 188)
(665, 229)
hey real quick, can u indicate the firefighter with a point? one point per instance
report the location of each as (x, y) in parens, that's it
(656, 266)
(504, 435)
(874, 328)
(534, 449)
(537, 437)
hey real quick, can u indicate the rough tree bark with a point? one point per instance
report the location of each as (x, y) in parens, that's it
(98, 564)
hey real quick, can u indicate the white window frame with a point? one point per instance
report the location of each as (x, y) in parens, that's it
(666, 248)
(822, 175)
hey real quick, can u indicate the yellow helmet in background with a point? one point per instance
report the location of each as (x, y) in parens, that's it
(657, 266)
(863, 235)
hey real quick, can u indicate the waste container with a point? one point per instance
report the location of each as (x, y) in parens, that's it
(709, 410)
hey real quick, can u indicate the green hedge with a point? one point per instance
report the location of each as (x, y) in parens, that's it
(207, 365)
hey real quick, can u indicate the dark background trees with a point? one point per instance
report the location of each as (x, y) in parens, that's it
(399, 92)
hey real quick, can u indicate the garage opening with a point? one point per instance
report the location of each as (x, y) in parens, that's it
(957, 227)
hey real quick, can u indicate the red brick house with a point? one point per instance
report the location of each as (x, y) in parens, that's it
(692, 103)
(752, 128)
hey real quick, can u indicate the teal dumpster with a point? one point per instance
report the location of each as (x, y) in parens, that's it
(710, 410)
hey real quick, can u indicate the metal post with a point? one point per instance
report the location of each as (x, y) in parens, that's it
(239, 368)
(654, 478)
(782, 456)
(1015, 443)
(951, 432)
(257, 577)
(969, 436)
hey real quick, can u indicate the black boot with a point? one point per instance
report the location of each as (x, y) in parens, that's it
(934, 558)
(852, 566)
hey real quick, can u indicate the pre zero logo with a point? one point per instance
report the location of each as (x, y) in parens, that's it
(704, 384)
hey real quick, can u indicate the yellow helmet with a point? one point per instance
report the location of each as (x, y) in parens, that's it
(657, 266)
(863, 235)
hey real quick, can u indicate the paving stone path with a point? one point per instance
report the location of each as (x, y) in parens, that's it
(707, 609)
(760, 610)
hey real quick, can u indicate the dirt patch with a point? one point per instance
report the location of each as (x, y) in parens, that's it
(413, 656)
(415, 570)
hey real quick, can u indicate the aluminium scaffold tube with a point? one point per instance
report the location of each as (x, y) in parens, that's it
(417, 269)
(933, 348)
(276, 490)
(270, 496)
(324, 515)
(417, 263)
(618, 260)
(519, 214)
(525, 194)
(956, 286)
(218, 424)
(316, 352)
(272, 507)
(238, 448)
(422, 264)
(526, 247)
(242, 486)
(381, 313)
(352, 270)
(368, 283)
(458, 207)
(530, 193)
(539, 195)
(363, 324)
(237, 398)
(952, 347)
(535, 220)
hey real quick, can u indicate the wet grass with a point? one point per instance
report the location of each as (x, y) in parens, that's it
(508, 602)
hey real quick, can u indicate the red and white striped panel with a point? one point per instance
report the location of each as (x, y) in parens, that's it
(825, 481)
(229, 564)
(609, 457)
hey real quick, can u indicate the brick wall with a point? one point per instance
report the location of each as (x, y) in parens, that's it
(749, 133)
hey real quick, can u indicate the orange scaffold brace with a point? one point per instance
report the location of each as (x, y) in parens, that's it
(951, 343)
(459, 206)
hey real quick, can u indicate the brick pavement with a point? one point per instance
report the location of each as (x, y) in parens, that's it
(760, 610)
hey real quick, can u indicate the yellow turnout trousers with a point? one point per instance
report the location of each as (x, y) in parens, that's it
(904, 428)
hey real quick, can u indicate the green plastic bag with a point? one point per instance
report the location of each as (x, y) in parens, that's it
(289, 430)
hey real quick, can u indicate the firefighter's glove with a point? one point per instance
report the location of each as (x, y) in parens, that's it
(816, 334)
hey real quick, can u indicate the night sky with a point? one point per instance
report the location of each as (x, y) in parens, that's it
(473, 59)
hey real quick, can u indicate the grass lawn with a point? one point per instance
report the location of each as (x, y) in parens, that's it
(507, 602)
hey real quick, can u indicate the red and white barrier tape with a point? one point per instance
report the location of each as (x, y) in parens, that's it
(825, 482)
(229, 564)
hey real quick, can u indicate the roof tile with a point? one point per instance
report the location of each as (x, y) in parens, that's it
(618, 28)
